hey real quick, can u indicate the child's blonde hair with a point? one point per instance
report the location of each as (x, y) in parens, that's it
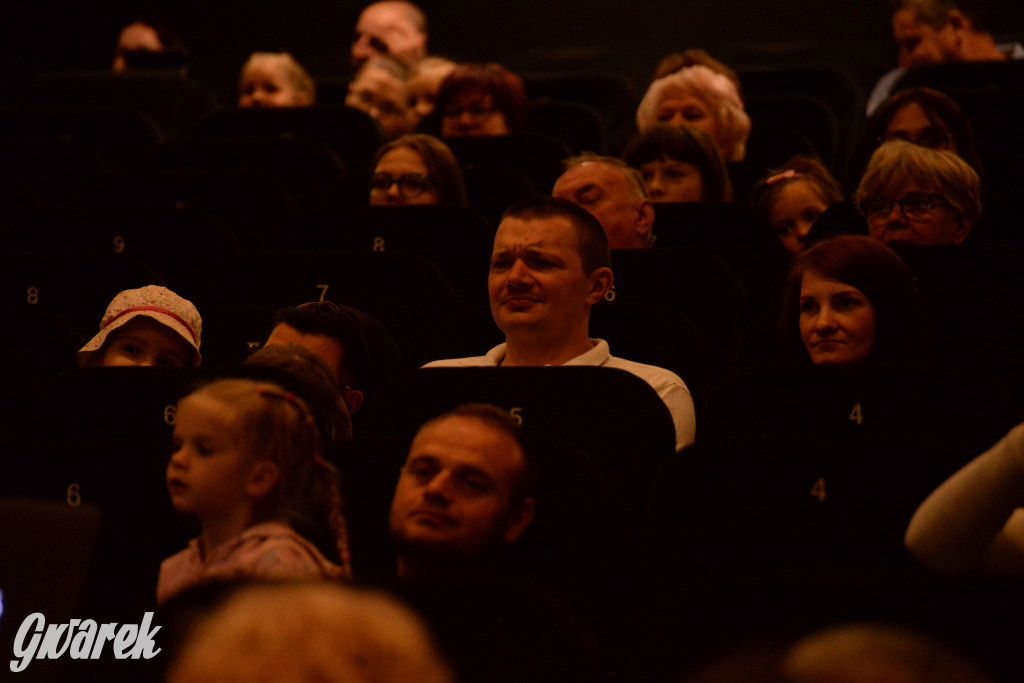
(278, 426)
(297, 75)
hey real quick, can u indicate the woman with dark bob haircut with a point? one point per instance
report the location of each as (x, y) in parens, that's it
(416, 169)
(679, 164)
(928, 118)
(482, 99)
(850, 299)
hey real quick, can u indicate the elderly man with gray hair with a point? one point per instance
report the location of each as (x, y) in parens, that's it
(613, 193)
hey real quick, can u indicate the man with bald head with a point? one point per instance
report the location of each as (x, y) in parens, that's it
(390, 28)
(614, 194)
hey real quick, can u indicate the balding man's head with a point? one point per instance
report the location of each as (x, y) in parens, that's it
(393, 28)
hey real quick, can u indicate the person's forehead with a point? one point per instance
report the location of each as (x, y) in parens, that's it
(382, 17)
(907, 22)
(465, 442)
(597, 173)
(549, 233)
(327, 348)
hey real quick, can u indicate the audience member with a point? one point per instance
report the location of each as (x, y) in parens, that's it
(143, 35)
(416, 169)
(677, 61)
(305, 632)
(275, 79)
(359, 351)
(935, 31)
(700, 97)
(792, 198)
(550, 265)
(912, 194)
(928, 118)
(246, 463)
(850, 299)
(319, 386)
(482, 99)
(867, 652)
(379, 89)
(614, 194)
(391, 28)
(466, 490)
(150, 326)
(425, 80)
(975, 519)
(679, 164)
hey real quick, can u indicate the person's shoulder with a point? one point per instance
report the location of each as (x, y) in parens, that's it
(468, 362)
(652, 373)
(492, 357)
(275, 550)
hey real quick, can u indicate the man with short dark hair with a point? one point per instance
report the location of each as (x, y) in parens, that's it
(354, 345)
(935, 31)
(550, 264)
(466, 491)
(390, 28)
(614, 194)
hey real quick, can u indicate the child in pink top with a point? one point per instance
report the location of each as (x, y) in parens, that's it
(246, 464)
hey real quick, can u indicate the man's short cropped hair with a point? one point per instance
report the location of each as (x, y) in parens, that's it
(592, 242)
(935, 13)
(370, 353)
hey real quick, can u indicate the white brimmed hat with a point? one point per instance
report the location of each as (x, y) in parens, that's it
(152, 301)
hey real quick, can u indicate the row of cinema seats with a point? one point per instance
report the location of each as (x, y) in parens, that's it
(811, 106)
(810, 472)
(419, 284)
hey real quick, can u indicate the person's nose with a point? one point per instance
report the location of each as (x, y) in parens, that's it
(393, 194)
(361, 50)
(896, 215)
(826, 321)
(178, 460)
(440, 487)
(518, 274)
(655, 186)
(677, 119)
(803, 228)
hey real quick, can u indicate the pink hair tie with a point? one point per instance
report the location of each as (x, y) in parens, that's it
(785, 175)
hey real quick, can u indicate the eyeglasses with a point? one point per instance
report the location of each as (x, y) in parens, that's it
(914, 205)
(932, 137)
(477, 111)
(409, 184)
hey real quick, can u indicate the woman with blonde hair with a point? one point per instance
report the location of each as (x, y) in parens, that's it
(698, 96)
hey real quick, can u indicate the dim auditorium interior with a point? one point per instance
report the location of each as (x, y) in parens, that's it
(785, 516)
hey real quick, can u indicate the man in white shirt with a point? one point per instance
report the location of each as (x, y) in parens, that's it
(549, 266)
(935, 31)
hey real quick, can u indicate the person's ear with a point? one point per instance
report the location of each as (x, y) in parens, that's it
(962, 230)
(601, 280)
(262, 478)
(353, 399)
(520, 519)
(645, 218)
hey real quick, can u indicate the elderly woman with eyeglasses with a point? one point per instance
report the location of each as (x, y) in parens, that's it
(416, 169)
(915, 195)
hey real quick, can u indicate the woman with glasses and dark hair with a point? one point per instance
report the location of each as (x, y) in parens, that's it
(416, 169)
(481, 100)
(916, 195)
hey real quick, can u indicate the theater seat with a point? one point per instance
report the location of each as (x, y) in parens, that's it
(959, 403)
(455, 239)
(778, 505)
(610, 414)
(405, 292)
